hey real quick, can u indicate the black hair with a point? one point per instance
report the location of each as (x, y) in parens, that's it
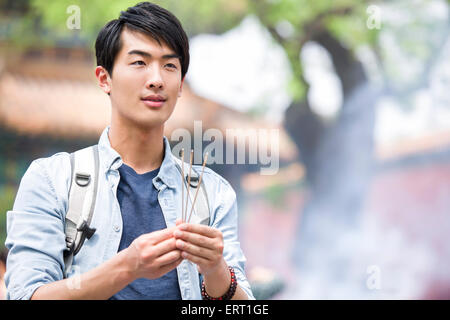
(147, 18)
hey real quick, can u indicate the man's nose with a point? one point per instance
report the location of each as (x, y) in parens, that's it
(155, 79)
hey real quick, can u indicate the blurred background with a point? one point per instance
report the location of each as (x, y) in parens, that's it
(360, 94)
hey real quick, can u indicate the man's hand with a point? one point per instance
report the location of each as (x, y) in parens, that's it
(149, 256)
(201, 245)
(153, 254)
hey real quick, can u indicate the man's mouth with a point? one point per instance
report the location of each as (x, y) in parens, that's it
(154, 101)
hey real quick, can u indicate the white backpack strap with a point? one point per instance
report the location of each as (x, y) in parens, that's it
(82, 195)
(201, 213)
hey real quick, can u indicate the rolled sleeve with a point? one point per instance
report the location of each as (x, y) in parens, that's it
(226, 220)
(35, 235)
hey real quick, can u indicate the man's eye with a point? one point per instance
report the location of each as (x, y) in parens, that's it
(171, 65)
(139, 62)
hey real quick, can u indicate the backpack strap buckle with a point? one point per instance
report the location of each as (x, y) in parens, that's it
(82, 179)
(70, 244)
(89, 232)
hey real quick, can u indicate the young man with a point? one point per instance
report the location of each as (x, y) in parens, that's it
(139, 250)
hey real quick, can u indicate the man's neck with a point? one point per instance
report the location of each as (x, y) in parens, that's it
(141, 149)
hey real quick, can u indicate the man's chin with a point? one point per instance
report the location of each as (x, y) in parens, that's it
(151, 122)
(145, 119)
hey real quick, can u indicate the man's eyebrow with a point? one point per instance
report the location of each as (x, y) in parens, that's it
(146, 54)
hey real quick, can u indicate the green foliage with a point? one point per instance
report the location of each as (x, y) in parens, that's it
(46, 21)
(207, 16)
(346, 19)
(352, 29)
(275, 196)
(93, 14)
(7, 195)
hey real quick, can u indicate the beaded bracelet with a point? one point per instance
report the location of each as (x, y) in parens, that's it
(228, 295)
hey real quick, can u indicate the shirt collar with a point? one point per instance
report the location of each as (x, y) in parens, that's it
(109, 157)
(167, 169)
(112, 160)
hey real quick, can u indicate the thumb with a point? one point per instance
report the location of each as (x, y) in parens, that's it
(178, 222)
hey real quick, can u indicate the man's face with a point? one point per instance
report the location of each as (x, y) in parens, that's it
(146, 81)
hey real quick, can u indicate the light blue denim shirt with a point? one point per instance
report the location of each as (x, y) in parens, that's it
(35, 226)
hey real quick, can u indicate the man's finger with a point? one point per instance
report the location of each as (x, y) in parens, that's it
(206, 231)
(195, 259)
(196, 239)
(168, 257)
(164, 247)
(168, 267)
(205, 253)
(160, 235)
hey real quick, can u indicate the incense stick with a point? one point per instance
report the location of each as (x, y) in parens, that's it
(198, 186)
(182, 185)
(188, 186)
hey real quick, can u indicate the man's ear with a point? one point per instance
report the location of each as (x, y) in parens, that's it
(104, 80)
(181, 87)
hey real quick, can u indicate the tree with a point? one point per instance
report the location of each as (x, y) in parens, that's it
(339, 154)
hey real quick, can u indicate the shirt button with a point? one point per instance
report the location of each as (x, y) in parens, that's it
(116, 228)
